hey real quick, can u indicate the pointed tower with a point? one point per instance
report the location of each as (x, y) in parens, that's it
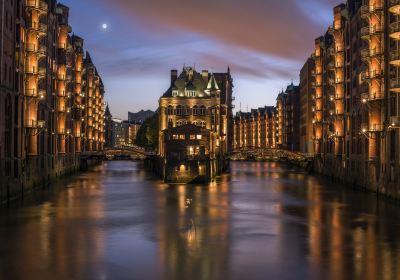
(109, 128)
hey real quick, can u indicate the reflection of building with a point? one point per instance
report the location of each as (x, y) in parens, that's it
(357, 89)
(203, 100)
(193, 241)
(51, 95)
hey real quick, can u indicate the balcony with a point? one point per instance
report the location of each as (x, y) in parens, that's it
(365, 54)
(394, 85)
(366, 31)
(375, 74)
(31, 47)
(31, 25)
(42, 94)
(42, 72)
(30, 123)
(339, 81)
(32, 4)
(42, 28)
(339, 64)
(364, 10)
(394, 6)
(30, 93)
(374, 127)
(31, 70)
(330, 66)
(42, 51)
(395, 122)
(43, 6)
(39, 5)
(372, 96)
(394, 58)
(394, 30)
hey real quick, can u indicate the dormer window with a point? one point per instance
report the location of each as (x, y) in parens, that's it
(191, 93)
(174, 93)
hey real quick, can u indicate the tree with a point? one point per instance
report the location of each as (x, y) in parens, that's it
(147, 136)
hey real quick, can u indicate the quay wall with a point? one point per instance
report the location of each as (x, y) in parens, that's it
(39, 172)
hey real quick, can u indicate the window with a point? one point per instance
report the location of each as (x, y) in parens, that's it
(199, 136)
(175, 93)
(182, 137)
(192, 137)
(175, 137)
(170, 110)
(193, 150)
(191, 93)
(195, 110)
(202, 110)
(179, 110)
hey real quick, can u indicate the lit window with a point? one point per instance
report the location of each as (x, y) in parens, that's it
(182, 136)
(174, 93)
(199, 136)
(175, 137)
(192, 137)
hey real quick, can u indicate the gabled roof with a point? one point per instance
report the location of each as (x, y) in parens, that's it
(212, 84)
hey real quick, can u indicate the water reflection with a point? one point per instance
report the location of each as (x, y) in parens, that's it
(262, 221)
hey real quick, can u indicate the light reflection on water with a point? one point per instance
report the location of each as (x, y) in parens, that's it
(262, 221)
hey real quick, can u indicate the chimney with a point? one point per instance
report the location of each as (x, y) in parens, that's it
(174, 76)
(204, 74)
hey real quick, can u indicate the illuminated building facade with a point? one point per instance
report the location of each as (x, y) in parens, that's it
(124, 133)
(255, 129)
(356, 121)
(52, 99)
(307, 98)
(203, 100)
(271, 127)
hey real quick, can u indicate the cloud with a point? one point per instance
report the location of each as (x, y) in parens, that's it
(276, 27)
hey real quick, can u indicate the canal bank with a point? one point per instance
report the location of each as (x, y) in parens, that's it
(40, 173)
(362, 176)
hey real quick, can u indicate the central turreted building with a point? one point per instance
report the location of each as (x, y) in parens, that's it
(195, 100)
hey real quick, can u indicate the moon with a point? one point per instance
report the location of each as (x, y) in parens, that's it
(104, 26)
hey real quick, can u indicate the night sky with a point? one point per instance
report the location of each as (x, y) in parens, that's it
(265, 42)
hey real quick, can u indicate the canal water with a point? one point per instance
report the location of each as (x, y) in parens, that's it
(261, 221)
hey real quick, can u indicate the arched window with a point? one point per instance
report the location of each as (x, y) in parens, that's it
(195, 110)
(203, 111)
(179, 110)
(170, 110)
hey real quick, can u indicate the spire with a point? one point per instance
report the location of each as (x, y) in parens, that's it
(212, 84)
(107, 113)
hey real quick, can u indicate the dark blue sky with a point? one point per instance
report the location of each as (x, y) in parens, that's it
(265, 42)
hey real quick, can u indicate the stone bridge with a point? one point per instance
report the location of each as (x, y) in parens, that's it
(122, 152)
(269, 154)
